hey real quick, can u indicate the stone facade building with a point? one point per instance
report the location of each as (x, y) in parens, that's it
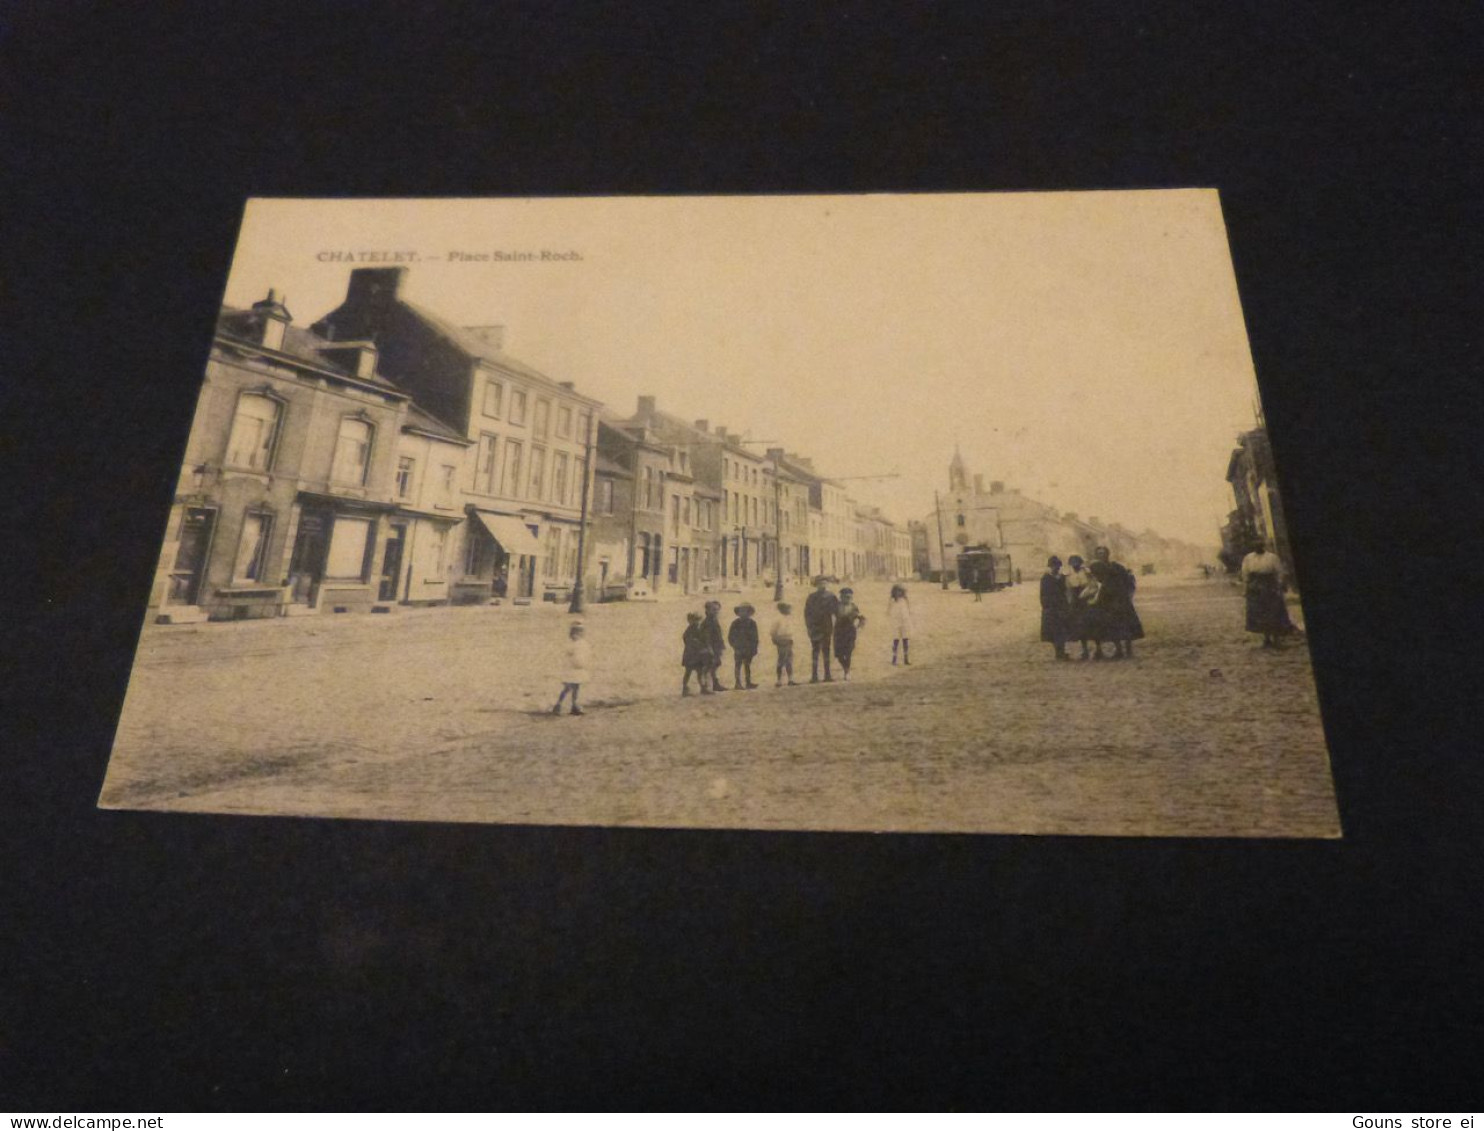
(971, 513)
(286, 498)
(521, 494)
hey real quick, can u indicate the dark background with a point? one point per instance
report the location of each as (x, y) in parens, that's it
(175, 962)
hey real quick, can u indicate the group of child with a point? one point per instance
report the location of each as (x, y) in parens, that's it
(704, 645)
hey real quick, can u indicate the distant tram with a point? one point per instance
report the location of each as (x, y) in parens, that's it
(983, 569)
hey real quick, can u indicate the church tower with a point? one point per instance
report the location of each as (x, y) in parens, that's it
(958, 476)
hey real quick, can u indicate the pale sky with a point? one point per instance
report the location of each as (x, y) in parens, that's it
(1085, 347)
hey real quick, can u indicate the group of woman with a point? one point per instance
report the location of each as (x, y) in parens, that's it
(1092, 604)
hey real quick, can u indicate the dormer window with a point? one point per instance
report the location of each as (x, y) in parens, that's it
(254, 430)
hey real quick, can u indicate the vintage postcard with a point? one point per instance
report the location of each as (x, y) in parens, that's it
(927, 513)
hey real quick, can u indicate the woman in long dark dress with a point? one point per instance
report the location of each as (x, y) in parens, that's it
(1262, 583)
(1111, 613)
(1055, 613)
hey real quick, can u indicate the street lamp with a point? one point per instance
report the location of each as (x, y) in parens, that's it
(578, 604)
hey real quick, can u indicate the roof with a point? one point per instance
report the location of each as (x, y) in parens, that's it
(424, 421)
(476, 347)
(605, 466)
(299, 344)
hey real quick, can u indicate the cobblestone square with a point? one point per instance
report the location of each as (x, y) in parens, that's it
(442, 714)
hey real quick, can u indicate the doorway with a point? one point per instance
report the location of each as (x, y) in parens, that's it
(391, 566)
(307, 566)
(196, 526)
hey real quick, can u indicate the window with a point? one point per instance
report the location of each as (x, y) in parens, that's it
(542, 422)
(348, 543)
(252, 550)
(518, 406)
(405, 468)
(553, 554)
(559, 477)
(684, 462)
(513, 455)
(254, 429)
(494, 399)
(675, 515)
(446, 475)
(960, 520)
(440, 550)
(484, 464)
(564, 422)
(604, 489)
(685, 511)
(352, 452)
(538, 472)
(584, 424)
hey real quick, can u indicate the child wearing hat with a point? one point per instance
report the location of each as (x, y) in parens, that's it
(782, 632)
(696, 657)
(579, 660)
(742, 636)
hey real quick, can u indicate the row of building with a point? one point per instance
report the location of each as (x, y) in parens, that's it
(973, 513)
(383, 456)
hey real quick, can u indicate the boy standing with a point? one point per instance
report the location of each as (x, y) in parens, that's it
(781, 632)
(696, 657)
(742, 636)
(819, 620)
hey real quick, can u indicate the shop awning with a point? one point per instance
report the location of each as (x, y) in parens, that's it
(508, 530)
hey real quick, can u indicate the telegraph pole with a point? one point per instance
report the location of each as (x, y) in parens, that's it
(578, 604)
(942, 545)
(777, 534)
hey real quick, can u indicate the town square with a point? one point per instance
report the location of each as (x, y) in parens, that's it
(410, 574)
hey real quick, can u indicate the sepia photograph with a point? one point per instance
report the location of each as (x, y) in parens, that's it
(931, 513)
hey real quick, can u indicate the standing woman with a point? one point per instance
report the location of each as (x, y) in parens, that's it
(848, 619)
(1080, 588)
(1054, 609)
(1262, 583)
(899, 617)
(1113, 615)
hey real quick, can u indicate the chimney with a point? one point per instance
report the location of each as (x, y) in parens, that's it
(996, 487)
(648, 406)
(375, 286)
(776, 455)
(568, 386)
(492, 336)
(703, 426)
(978, 484)
(272, 319)
(721, 430)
